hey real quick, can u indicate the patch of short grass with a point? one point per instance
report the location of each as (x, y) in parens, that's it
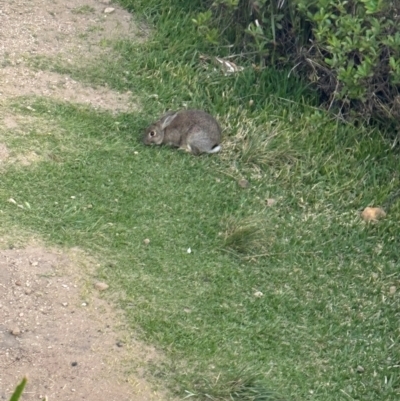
(299, 298)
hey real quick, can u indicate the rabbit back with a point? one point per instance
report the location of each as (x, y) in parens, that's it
(200, 132)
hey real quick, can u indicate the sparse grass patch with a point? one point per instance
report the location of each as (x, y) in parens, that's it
(85, 9)
(5, 62)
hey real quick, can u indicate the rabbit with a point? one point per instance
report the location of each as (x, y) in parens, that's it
(192, 130)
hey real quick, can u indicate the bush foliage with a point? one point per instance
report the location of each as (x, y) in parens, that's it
(349, 49)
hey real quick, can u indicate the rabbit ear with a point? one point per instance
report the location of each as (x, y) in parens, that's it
(168, 120)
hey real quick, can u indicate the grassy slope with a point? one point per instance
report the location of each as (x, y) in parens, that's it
(325, 276)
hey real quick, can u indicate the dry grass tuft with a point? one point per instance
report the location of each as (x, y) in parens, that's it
(255, 144)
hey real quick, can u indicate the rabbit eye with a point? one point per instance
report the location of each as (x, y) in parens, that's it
(152, 133)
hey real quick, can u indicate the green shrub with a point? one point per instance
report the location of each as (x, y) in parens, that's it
(349, 49)
(355, 54)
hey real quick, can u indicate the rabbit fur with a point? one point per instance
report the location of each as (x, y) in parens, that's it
(192, 130)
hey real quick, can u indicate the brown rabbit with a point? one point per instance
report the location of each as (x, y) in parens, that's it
(192, 130)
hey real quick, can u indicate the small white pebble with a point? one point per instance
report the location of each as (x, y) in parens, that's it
(15, 331)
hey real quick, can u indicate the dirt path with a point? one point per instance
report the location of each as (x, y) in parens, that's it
(54, 325)
(70, 31)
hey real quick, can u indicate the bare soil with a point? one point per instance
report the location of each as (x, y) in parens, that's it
(55, 325)
(22, 81)
(56, 330)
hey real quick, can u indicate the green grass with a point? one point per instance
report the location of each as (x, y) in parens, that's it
(19, 390)
(289, 299)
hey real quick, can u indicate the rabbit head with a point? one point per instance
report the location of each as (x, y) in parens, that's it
(155, 133)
